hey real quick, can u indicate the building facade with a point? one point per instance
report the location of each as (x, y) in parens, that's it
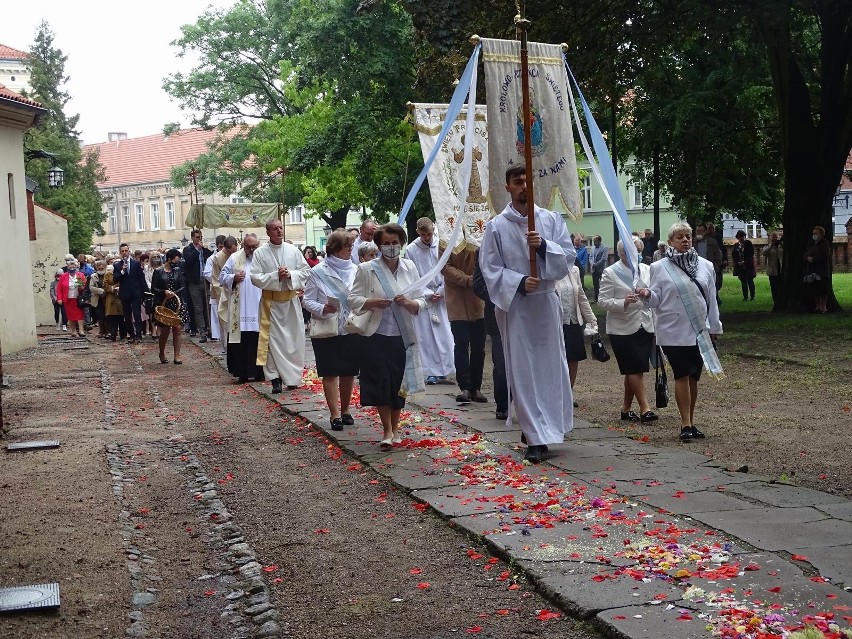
(14, 74)
(17, 325)
(141, 206)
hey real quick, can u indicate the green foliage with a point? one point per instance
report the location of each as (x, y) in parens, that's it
(335, 128)
(79, 199)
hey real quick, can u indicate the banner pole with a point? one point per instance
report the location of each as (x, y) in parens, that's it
(521, 26)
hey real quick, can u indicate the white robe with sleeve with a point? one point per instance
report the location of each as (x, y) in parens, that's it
(215, 333)
(531, 324)
(285, 358)
(435, 338)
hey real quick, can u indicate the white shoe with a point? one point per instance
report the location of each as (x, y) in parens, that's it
(65, 328)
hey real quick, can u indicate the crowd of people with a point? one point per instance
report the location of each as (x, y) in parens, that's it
(378, 308)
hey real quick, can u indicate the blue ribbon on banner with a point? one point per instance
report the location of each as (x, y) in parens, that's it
(455, 107)
(604, 170)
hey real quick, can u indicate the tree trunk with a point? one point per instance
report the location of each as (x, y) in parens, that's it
(336, 219)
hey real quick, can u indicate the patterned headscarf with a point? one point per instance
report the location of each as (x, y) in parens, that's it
(687, 261)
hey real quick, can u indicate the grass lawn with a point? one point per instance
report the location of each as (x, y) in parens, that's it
(732, 296)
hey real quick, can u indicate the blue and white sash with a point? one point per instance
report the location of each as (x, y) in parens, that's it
(413, 381)
(334, 287)
(688, 292)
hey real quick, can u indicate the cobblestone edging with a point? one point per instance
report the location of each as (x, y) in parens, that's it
(247, 607)
(110, 410)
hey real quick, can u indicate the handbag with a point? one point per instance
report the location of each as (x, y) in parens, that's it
(323, 327)
(356, 324)
(598, 349)
(661, 381)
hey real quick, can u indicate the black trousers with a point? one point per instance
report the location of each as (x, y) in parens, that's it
(469, 352)
(133, 316)
(501, 384)
(775, 287)
(59, 313)
(747, 283)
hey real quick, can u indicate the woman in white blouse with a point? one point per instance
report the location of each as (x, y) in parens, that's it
(326, 296)
(576, 311)
(630, 327)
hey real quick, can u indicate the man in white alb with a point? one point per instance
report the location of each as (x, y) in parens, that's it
(280, 270)
(243, 326)
(529, 314)
(432, 326)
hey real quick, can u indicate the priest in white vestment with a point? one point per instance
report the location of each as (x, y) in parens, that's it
(218, 327)
(432, 325)
(529, 314)
(243, 326)
(280, 269)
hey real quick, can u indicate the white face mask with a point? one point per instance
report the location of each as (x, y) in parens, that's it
(815, 238)
(391, 251)
(699, 237)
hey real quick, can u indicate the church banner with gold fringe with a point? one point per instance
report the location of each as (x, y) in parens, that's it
(217, 216)
(444, 178)
(554, 160)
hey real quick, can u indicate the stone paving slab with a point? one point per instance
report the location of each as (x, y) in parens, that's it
(786, 495)
(780, 528)
(697, 502)
(832, 562)
(470, 500)
(654, 622)
(838, 511)
(572, 585)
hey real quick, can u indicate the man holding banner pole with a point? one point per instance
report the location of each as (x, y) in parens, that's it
(528, 313)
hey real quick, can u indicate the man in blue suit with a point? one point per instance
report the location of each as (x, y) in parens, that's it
(128, 275)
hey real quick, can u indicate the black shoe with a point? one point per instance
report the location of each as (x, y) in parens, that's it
(576, 405)
(649, 416)
(686, 434)
(478, 397)
(534, 454)
(347, 420)
(502, 415)
(697, 434)
(276, 386)
(203, 340)
(242, 380)
(336, 423)
(630, 416)
(464, 396)
(291, 387)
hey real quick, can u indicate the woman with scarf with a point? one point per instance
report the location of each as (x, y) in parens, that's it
(389, 354)
(683, 295)
(68, 292)
(326, 298)
(630, 326)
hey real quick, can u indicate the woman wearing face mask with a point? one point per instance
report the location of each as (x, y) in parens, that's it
(167, 284)
(68, 292)
(818, 269)
(390, 359)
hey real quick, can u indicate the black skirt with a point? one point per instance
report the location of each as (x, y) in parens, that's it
(633, 352)
(337, 356)
(685, 361)
(382, 370)
(575, 347)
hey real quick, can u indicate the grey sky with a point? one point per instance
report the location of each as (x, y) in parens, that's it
(118, 54)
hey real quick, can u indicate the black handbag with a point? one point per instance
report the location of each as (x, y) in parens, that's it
(661, 381)
(598, 349)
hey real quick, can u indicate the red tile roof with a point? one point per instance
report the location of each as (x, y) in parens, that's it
(8, 53)
(17, 97)
(149, 159)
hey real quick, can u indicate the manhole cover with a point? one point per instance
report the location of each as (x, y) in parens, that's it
(35, 445)
(29, 597)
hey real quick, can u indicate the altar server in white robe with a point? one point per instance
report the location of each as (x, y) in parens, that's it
(529, 314)
(280, 270)
(432, 326)
(243, 325)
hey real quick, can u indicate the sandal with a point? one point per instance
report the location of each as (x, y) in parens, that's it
(629, 416)
(177, 361)
(163, 360)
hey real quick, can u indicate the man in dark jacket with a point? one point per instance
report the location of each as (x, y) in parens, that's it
(195, 257)
(129, 278)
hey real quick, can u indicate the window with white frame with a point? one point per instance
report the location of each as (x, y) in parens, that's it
(237, 199)
(140, 216)
(155, 216)
(637, 196)
(125, 219)
(112, 220)
(587, 193)
(170, 214)
(297, 214)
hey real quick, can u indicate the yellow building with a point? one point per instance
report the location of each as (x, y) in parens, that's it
(142, 207)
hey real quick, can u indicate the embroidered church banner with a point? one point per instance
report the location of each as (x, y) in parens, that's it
(444, 179)
(554, 161)
(215, 216)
